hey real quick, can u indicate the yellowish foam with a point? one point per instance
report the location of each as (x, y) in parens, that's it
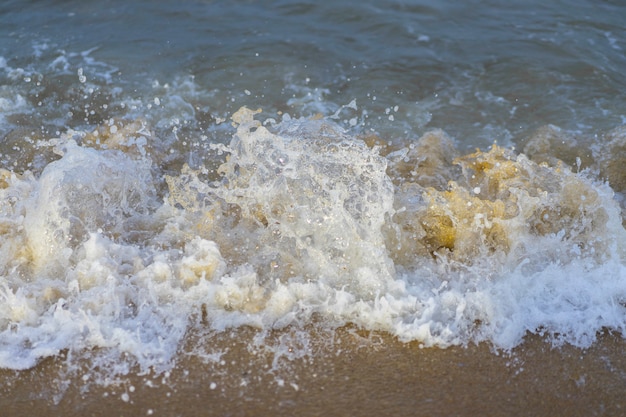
(501, 201)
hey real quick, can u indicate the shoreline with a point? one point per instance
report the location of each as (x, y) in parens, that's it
(376, 376)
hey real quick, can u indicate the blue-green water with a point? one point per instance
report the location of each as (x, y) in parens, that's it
(483, 71)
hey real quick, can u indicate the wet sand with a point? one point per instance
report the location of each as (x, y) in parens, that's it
(360, 374)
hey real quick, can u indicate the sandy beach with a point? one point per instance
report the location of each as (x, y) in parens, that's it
(361, 375)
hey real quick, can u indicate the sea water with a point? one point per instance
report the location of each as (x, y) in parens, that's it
(445, 172)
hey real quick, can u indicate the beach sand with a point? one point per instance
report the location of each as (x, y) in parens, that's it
(358, 374)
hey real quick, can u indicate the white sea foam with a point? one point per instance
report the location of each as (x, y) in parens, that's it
(301, 223)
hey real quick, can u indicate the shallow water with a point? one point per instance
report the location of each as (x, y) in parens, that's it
(444, 174)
